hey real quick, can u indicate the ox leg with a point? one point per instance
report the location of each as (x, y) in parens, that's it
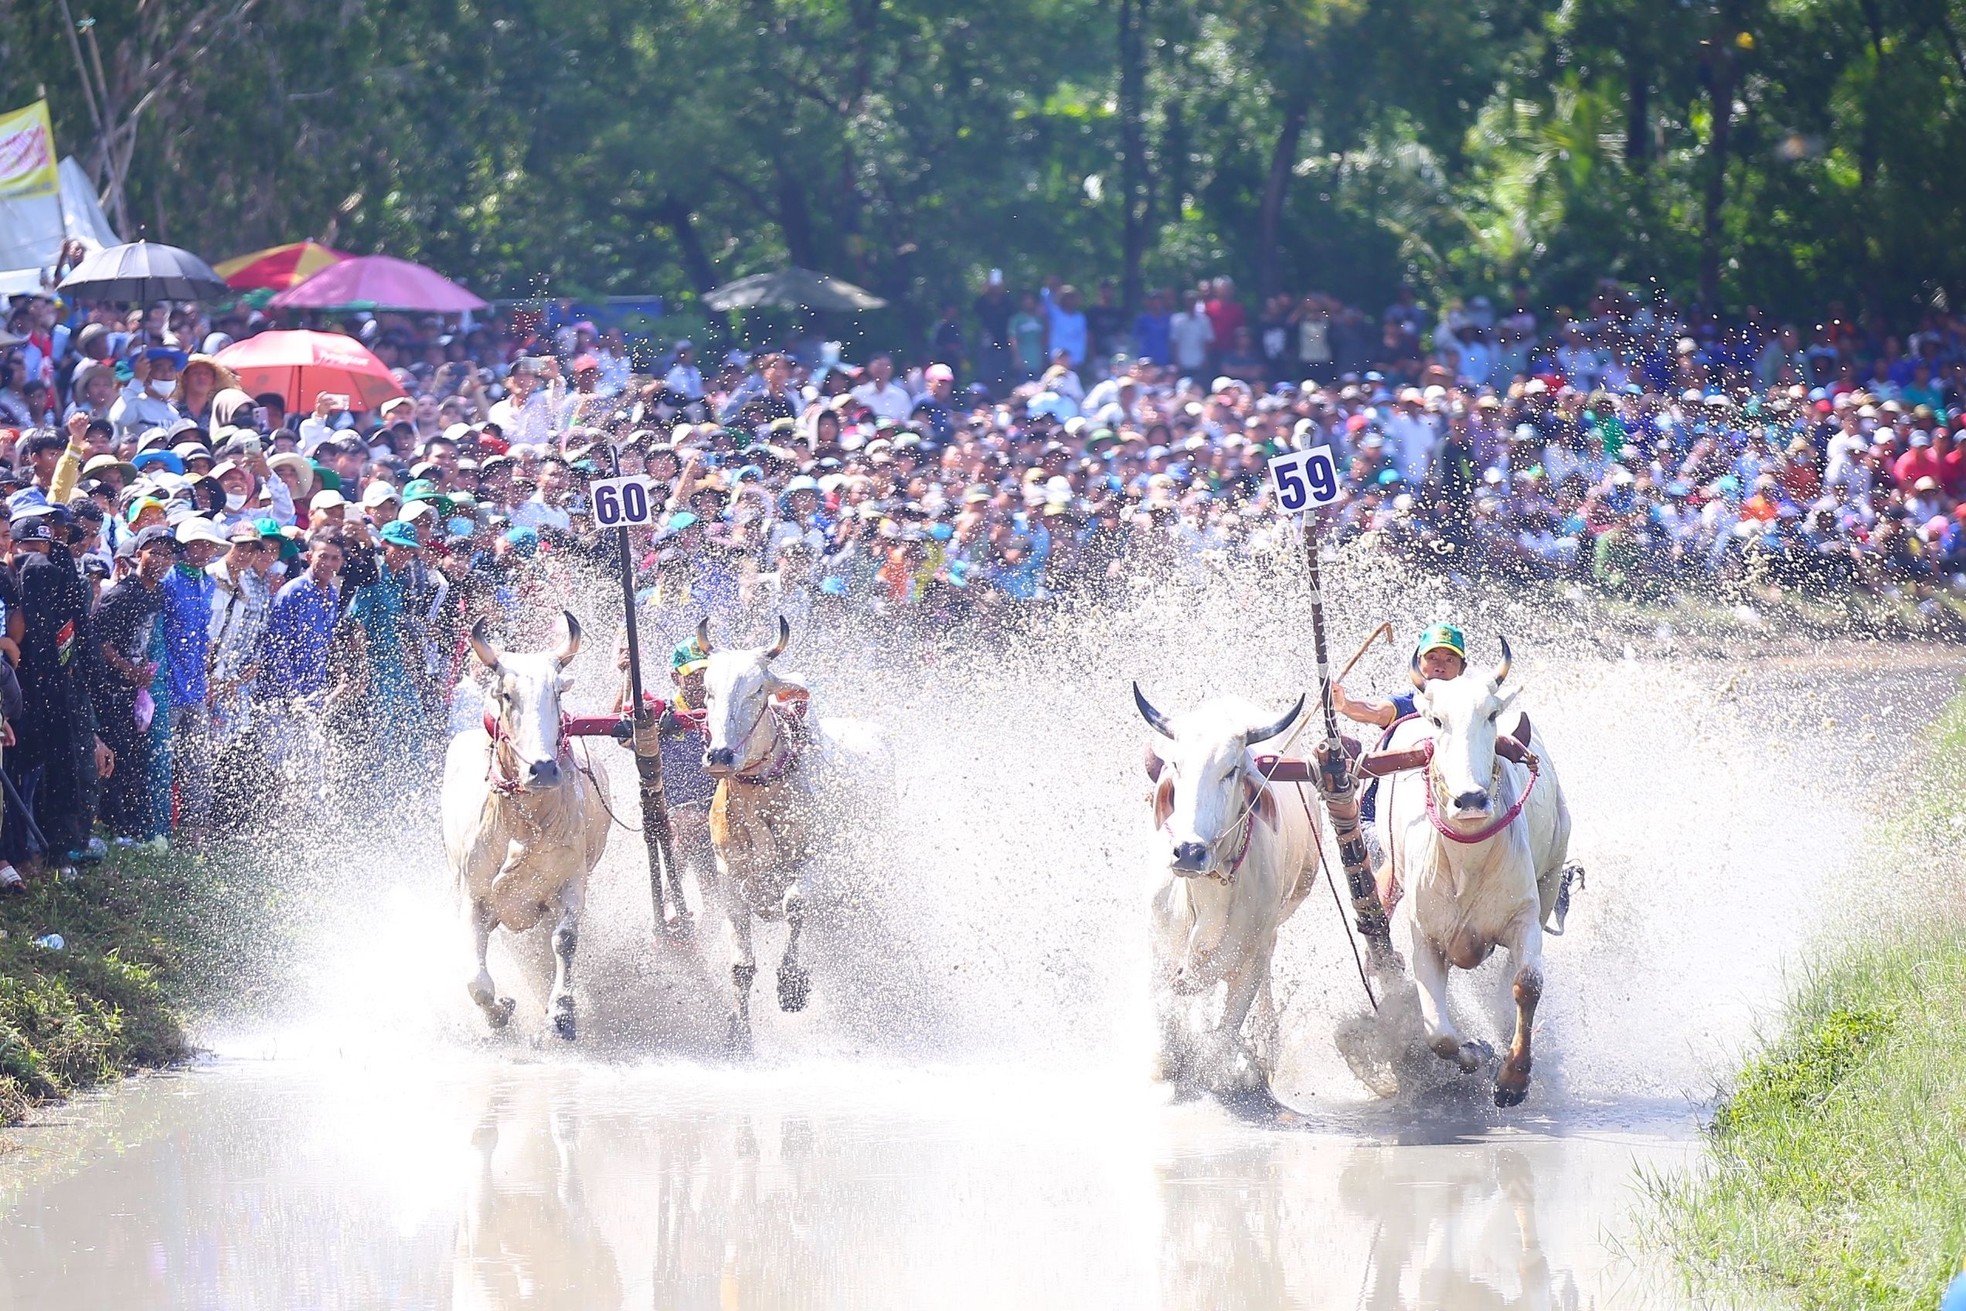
(1525, 942)
(497, 1009)
(1234, 1064)
(1430, 972)
(566, 935)
(743, 968)
(794, 984)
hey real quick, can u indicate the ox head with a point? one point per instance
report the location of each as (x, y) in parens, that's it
(1206, 783)
(522, 696)
(738, 687)
(1463, 712)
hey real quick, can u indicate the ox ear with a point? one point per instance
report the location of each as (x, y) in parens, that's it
(1163, 798)
(1261, 799)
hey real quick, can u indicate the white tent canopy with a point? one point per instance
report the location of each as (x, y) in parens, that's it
(32, 230)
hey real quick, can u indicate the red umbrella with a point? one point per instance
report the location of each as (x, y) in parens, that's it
(379, 282)
(277, 267)
(301, 365)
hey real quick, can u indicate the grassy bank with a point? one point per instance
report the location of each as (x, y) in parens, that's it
(136, 930)
(1838, 1173)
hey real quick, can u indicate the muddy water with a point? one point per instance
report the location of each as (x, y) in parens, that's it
(961, 1118)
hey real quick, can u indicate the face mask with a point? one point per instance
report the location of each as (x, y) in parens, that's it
(163, 388)
(235, 501)
(460, 527)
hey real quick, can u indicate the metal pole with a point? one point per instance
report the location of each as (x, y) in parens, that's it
(647, 745)
(1337, 784)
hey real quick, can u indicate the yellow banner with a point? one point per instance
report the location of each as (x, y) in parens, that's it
(27, 153)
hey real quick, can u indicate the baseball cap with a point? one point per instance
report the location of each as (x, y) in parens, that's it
(1442, 637)
(398, 533)
(197, 528)
(154, 535)
(377, 493)
(327, 500)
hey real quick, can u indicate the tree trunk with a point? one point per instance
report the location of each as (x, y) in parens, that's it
(1133, 147)
(1638, 120)
(1721, 76)
(1276, 190)
(795, 218)
(674, 215)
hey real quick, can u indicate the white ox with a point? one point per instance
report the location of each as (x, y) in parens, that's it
(1240, 859)
(784, 787)
(1474, 863)
(525, 817)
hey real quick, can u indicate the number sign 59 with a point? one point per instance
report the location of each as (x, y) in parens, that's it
(1304, 480)
(619, 501)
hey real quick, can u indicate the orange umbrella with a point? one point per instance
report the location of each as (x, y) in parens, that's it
(278, 267)
(301, 365)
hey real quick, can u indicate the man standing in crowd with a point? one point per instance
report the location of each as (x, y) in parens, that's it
(59, 753)
(123, 626)
(188, 592)
(880, 393)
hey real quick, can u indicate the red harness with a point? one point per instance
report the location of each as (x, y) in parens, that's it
(1486, 831)
(502, 783)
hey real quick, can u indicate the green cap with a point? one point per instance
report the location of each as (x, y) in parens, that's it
(688, 657)
(399, 533)
(1439, 637)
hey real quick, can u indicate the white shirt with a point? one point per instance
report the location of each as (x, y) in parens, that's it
(889, 402)
(136, 409)
(534, 423)
(1192, 334)
(535, 514)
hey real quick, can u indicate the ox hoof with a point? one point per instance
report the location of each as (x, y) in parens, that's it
(1467, 1057)
(737, 1040)
(679, 927)
(499, 1013)
(564, 1027)
(1506, 1097)
(794, 986)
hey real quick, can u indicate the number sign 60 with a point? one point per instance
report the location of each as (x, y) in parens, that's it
(619, 501)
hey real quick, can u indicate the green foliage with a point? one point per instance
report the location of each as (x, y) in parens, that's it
(596, 146)
(1838, 1170)
(136, 933)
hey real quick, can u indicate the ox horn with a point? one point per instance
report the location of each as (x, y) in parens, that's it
(1255, 735)
(1151, 715)
(482, 647)
(1413, 670)
(703, 635)
(564, 656)
(784, 639)
(1508, 658)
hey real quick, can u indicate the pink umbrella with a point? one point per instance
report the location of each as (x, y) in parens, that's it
(379, 282)
(301, 365)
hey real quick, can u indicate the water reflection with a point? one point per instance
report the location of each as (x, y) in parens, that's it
(569, 1185)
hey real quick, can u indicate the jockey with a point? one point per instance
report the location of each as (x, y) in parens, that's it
(1440, 654)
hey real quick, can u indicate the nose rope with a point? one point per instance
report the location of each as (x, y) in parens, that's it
(1435, 783)
(507, 782)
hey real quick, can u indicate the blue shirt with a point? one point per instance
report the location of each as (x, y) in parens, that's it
(294, 647)
(1067, 329)
(187, 624)
(1151, 339)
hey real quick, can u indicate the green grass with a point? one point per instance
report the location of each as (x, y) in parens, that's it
(136, 932)
(1838, 1170)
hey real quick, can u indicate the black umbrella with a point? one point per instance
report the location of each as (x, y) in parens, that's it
(143, 272)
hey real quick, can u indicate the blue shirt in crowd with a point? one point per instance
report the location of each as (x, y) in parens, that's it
(187, 631)
(294, 648)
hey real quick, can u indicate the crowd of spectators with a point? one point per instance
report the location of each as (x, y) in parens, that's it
(207, 591)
